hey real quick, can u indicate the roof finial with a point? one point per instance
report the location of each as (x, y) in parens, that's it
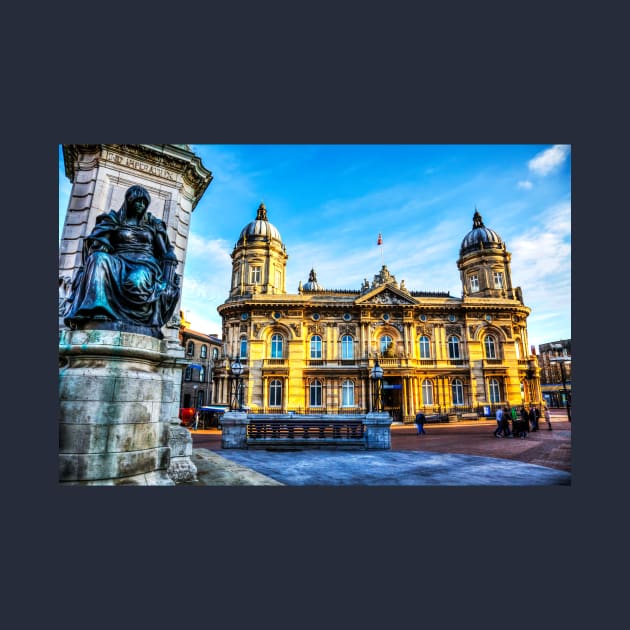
(477, 220)
(261, 215)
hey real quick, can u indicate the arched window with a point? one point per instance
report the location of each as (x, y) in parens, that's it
(202, 374)
(427, 392)
(457, 389)
(453, 347)
(215, 354)
(200, 397)
(386, 343)
(275, 393)
(495, 391)
(347, 394)
(188, 373)
(316, 347)
(490, 347)
(425, 347)
(243, 348)
(204, 351)
(276, 346)
(315, 397)
(347, 347)
(190, 349)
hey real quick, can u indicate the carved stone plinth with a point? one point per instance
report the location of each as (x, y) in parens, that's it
(378, 430)
(234, 429)
(118, 392)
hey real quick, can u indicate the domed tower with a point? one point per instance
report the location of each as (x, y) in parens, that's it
(312, 284)
(484, 263)
(259, 259)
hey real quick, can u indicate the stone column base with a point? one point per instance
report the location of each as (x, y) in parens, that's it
(117, 391)
(181, 469)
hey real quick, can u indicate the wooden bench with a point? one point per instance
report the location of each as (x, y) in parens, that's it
(305, 433)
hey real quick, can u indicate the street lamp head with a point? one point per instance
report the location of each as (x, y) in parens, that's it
(237, 368)
(377, 372)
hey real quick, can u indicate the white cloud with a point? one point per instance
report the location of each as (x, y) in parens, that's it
(549, 159)
(526, 185)
(541, 265)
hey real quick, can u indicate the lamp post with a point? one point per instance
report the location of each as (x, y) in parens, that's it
(237, 369)
(376, 374)
(562, 360)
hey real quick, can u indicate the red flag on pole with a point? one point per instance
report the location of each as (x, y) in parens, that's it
(380, 239)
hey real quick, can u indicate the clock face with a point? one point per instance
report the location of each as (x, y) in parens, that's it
(244, 316)
(451, 318)
(423, 318)
(386, 317)
(347, 317)
(277, 315)
(488, 318)
(316, 316)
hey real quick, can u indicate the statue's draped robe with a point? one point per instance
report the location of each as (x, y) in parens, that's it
(127, 280)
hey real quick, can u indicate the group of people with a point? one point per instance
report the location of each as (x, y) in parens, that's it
(523, 421)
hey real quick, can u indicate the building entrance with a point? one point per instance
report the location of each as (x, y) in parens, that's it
(392, 398)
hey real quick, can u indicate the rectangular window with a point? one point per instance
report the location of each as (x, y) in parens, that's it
(347, 394)
(255, 275)
(275, 394)
(347, 347)
(498, 280)
(315, 399)
(278, 280)
(474, 284)
(453, 348)
(316, 347)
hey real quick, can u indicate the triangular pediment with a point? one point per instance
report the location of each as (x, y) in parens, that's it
(388, 294)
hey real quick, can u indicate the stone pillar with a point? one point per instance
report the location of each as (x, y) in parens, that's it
(377, 430)
(234, 429)
(100, 175)
(115, 393)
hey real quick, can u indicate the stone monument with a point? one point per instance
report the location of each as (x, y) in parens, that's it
(122, 256)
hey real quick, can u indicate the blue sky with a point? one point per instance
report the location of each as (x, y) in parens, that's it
(330, 202)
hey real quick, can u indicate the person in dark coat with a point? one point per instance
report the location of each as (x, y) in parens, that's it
(524, 423)
(505, 423)
(534, 414)
(420, 419)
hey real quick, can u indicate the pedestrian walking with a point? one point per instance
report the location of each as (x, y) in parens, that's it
(420, 419)
(195, 423)
(505, 423)
(533, 418)
(499, 417)
(547, 416)
(524, 424)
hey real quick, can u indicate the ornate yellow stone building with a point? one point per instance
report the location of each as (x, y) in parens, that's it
(312, 352)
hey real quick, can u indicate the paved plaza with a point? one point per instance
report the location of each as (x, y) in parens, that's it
(466, 454)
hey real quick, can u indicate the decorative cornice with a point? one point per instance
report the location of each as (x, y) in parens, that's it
(166, 156)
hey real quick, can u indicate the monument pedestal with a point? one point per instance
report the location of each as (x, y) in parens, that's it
(118, 395)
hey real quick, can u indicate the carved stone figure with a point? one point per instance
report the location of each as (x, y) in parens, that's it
(127, 280)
